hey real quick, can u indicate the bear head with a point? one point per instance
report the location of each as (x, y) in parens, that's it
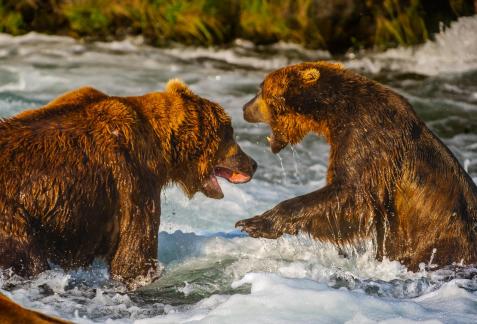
(202, 145)
(295, 100)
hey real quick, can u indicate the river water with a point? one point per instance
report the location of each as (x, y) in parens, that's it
(212, 273)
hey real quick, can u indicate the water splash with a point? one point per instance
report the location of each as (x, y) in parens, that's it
(454, 50)
(284, 179)
(295, 156)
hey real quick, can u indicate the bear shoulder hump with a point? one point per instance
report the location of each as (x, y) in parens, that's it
(79, 96)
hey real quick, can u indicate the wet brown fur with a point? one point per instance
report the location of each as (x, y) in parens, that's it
(389, 177)
(82, 176)
(11, 313)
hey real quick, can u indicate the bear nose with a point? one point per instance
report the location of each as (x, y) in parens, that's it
(254, 165)
(250, 111)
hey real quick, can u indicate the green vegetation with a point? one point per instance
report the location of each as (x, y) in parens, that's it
(10, 21)
(398, 24)
(334, 25)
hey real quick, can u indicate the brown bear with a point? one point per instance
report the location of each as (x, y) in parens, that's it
(11, 313)
(81, 177)
(389, 177)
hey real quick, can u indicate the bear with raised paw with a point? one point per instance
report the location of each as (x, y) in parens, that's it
(81, 177)
(389, 177)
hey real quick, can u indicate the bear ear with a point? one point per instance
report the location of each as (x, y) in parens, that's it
(310, 75)
(178, 87)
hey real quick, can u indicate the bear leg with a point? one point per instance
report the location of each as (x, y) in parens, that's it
(135, 259)
(19, 250)
(327, 214)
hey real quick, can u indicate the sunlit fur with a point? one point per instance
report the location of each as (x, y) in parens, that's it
(389, 177)
(82, 176)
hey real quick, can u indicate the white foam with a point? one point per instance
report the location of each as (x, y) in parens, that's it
(32, 37)
(275, 299)
(242, 56)
(291, 282)
(300, 257)
(129, 44)
(454, 50)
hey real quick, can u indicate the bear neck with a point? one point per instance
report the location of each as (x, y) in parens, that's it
(355, 108)
(374, 117)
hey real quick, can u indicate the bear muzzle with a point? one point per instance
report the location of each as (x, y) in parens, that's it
(277, 143)
(256, 110)
(236, 168)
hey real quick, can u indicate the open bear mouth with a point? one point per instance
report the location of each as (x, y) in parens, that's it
(231, 175)
(211, 185)
(276, 144)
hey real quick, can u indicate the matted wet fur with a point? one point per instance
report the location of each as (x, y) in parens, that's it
(81, 177)
(389, 177)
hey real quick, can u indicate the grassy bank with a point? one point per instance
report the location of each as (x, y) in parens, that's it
(334, 25)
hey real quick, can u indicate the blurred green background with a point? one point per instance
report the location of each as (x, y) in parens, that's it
(336, 26)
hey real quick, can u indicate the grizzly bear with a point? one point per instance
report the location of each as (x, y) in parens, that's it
(82, 176)
(389, 177)
(11, 313)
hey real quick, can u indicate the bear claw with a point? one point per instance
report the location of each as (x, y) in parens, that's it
(257, 227)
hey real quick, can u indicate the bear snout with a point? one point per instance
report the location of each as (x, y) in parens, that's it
(252, 112)
(237, 168)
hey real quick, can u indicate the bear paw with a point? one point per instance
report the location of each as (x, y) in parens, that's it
(258, 226)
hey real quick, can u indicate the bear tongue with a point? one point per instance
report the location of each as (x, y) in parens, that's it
(238, 177)
(231, 176)
(211, 188)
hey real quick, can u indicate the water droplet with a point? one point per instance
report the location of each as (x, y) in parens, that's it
(283, 169)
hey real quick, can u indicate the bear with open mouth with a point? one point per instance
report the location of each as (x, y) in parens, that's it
(389, 177)
(81, 177)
